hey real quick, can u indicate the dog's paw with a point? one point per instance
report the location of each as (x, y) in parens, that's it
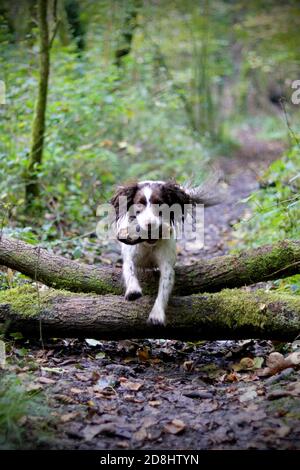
(157, 317)
(133, 295)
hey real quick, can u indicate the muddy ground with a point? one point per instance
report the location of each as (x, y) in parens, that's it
(158, 394)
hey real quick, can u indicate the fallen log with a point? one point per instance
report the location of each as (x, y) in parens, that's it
(268, 262)
(229, 314)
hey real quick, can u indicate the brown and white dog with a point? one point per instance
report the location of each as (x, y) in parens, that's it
(147, 233)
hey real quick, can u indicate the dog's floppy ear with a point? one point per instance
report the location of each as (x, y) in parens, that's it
(127, 191)
(175, 194)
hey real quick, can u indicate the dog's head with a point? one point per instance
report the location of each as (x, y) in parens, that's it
(149, 210)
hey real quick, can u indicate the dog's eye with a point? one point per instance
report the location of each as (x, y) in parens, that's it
(139, 208)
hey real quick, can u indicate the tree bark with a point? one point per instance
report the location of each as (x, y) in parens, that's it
(38, 127)
(230, 314)
(261, 264)
(130, 24)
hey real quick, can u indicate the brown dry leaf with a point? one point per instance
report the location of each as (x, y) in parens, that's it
(154, 403)
(133, 386)
(126, 345)
(293, 359)
(92, 430)
(155, 360)
(82, 377)
(294, 388)
(188, 366)
(122, 444)
(106, 143)
(143, 354)
(69, 416)
(283, 431)
(140, 435)
(65, 399)
(176, 426)
(76, 390)
(46, 380)
(232, 377)
(133, 399)
(276, 362)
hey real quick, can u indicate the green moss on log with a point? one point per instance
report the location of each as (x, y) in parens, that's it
(26, 301)
(279, 257)
(22, 300)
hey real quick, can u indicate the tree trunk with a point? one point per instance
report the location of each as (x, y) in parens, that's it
(72, 8)
(130, 24)
(230, 314)
(38, 127)
(261, 264)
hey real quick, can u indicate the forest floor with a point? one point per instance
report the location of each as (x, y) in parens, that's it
(164, 394)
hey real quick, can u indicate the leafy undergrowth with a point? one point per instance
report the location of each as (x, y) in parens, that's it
(22, 412)
(275, 210)
(153, 394)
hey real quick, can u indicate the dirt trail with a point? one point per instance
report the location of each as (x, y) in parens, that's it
(169, 394)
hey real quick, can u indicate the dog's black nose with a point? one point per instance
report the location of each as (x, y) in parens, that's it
(138, 228)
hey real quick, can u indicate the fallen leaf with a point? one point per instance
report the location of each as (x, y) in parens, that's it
(198, 394)
(154, 403)
(140, 435)
(249, 395)
(100, 355)
(65, 399)
(232, 377)
(283, 431)
(247, 363)
(76, 390)
(93, 342)
(276, 362)
(294, 388)
(46, 380)
(122, 444)
(188, 366)
(82, 377)
(53, 370)
(104, 382)
(69, 416)
(133, 386)
(143, 354)
(176, 426)
(92, 430)
(106, 143)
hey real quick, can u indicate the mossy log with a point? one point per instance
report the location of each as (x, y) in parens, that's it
(249, 267)
(229, 314)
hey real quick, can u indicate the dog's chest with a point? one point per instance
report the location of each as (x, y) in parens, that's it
(146, 256)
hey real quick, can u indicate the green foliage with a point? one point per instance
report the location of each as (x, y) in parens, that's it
(100, 131)
(16, 404)
(275, 208)
(170, 108)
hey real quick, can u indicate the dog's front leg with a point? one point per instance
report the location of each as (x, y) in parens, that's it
(166, 282)
(133, 288)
